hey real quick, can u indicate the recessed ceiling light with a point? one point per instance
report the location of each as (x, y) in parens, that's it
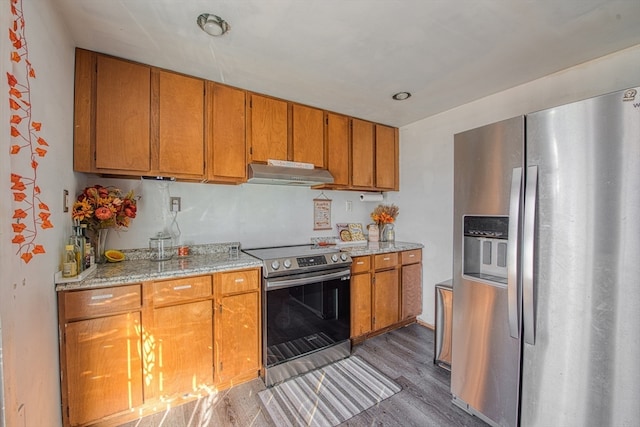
(401, 96)
(212, 24)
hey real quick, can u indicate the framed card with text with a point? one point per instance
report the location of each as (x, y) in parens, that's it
(322, 213)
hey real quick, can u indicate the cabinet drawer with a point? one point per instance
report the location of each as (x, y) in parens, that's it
(97, 302)
(239, 281)
(178, 290)
(360, 264)
(386, 260)
(411, 257)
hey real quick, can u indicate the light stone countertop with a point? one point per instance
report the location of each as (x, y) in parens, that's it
(204, 259)
(137, 267)
(373, 248)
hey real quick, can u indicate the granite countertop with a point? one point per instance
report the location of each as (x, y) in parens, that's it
(373, 248)
(204, 259)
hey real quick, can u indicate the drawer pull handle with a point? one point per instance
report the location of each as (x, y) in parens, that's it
(360, 262)
(181, 287)
(386, 259)
(99, 297)
(239, 280)
(411, 256)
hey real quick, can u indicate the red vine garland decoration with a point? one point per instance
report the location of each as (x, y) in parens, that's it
(30, 211)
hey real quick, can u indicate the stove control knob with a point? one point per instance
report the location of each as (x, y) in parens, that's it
(275, 264)
(287, 263)
(334, 257)
(343, 257)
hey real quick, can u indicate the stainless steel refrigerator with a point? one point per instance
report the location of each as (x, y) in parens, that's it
(546, 271)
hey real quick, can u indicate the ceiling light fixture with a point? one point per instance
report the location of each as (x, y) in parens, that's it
(213, 24)
(401, 96)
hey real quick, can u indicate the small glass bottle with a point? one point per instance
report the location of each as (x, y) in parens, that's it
(70, 263)
(79, 242)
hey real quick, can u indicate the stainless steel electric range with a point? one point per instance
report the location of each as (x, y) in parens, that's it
(305, 308)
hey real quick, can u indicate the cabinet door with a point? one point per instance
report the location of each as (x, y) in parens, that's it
(411, 290)
(386, 299)
(386, 158)
(308, 135)
(238, 338)
(183, 340)
(103, 367)
(180, 125)
(338, 149)
(123, 94)
(83, 100)
(269, 129)
(362, 152)
(360, 304)
(226, 134)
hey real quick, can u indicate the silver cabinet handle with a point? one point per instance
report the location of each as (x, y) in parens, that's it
(101, 297)
(239, 280)
(181, 287)
(513, 281)
(528, 247)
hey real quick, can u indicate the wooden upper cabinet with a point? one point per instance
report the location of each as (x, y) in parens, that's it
(268, 129)
(180, 109)
(308, 135)
(83, 111)
(338, 148)
(122, 121)
(362, 154)
(386, 158)
(225, 130)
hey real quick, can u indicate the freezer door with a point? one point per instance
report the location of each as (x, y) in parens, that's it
(485, 357)
(583, 369)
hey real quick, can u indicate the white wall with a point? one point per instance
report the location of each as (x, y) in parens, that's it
(426, 153)
(27, 297)
(253, 214)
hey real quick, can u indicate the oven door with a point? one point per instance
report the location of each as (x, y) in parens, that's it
(306, 319)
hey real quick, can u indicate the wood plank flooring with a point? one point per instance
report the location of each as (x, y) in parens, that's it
(404, 355)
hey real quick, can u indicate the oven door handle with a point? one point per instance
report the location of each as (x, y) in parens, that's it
(287, 283)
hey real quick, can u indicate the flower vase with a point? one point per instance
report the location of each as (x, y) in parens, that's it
(387, 233)
(383, 232)
(99, 244)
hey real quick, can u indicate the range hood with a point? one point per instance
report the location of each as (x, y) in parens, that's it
(286, 175)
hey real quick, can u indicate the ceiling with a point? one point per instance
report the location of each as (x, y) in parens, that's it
(351, 56)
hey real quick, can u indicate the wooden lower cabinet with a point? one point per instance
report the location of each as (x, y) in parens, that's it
(238, 326)
(103, 367)
(385, 299)
(182, 358)
(385, 293)
(130, 350)
(237, 346)
(360, 304)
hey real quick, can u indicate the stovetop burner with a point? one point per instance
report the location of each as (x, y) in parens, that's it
(286, 260)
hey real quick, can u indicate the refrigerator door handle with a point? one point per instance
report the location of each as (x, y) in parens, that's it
(528, 240)
(513, 288)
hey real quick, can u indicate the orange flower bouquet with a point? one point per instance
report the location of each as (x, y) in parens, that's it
(104, 207)
(384, 214)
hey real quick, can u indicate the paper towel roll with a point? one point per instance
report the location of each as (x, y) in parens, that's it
(371, 197)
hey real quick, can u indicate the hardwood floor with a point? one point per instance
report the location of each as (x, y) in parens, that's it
(404, 355)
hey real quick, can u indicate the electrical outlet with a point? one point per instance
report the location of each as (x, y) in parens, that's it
(348, 206)
(65, 200)
(174, 204)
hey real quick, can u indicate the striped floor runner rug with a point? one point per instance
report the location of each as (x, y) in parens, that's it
(329, 395)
